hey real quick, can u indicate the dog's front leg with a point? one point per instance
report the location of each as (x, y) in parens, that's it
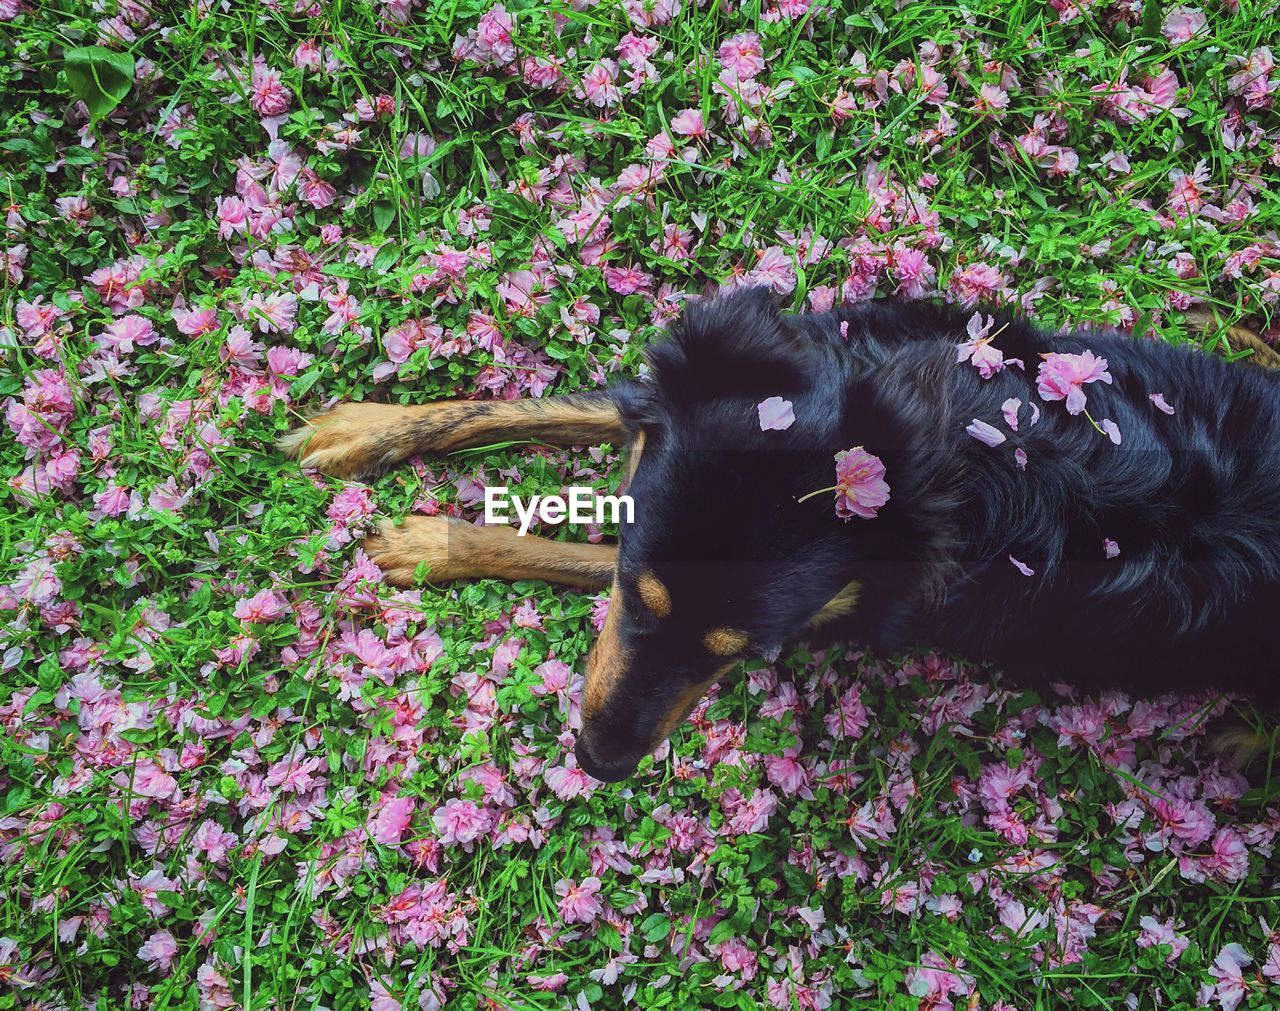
(357, 439)
(453, 549)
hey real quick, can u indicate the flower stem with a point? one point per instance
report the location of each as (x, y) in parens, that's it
(805, 498)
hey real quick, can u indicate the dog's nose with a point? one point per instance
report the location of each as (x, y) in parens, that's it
(606, 772)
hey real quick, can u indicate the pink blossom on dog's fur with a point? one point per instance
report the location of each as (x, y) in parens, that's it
(1063, 376)
(860, 485)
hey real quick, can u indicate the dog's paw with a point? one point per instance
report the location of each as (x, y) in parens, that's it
(349, 441)
(398, 549)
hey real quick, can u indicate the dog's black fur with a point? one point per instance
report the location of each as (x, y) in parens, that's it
(1192, 499)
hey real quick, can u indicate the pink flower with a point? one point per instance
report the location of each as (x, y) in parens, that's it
(392, 821)
(124, 333)
(913, 271)
(195, 322)
(742, 56)
(627, 280)
(984, 433)
(267, 605)
(775, 414)
(1227, 970)
(158, 951)
(1160, 402)
(860, 485)
(776, 269)
(1229, 860)
(1182, 24)
(149, 780)
(992, 99)
(315, 190)
(599, 84)
(1110, 548)
(579, 903)
(267, 95)
(461, 822)
(493, 34)
(689, 123)
(980, 352)
(568, 781)
(1022, 567)
(1155, 932)
(233, 216)
(975, 283)
(1063, 376)
(555, 678)
(38, 582)
(382, 999)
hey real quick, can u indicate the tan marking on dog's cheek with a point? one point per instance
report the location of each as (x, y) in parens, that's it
(607, 664)
(843, 603)
(654, 595)
(726, 641)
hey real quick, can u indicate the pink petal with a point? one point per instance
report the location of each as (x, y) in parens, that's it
(1010, 411)
(1111, 428)
(1160, 402)
(985, 433)
(1110, 548)
(775, 414)
(1026, 570)
(1020, 458)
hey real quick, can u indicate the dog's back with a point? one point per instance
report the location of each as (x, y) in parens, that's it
(1191, 500)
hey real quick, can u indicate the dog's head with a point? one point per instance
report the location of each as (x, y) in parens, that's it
(722, 561)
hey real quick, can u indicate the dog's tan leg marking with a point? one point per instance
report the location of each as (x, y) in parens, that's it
(357, 439)
(844, 602)
(454, 549)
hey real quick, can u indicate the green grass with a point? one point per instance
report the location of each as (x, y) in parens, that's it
(117, 669)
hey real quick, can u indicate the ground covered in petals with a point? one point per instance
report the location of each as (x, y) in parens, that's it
(240, 772)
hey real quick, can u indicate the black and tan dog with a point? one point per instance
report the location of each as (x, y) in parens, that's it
(724, 560)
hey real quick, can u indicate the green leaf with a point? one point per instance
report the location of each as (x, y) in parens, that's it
(99, 77)
(655, 928)
(386, 256)
(384, 212)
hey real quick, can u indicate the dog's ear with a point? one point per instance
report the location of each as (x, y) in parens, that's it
(737, 344)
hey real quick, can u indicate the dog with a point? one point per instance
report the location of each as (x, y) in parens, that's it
(1040, 546)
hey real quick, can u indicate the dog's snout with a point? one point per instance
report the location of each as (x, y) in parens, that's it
(607, 771)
